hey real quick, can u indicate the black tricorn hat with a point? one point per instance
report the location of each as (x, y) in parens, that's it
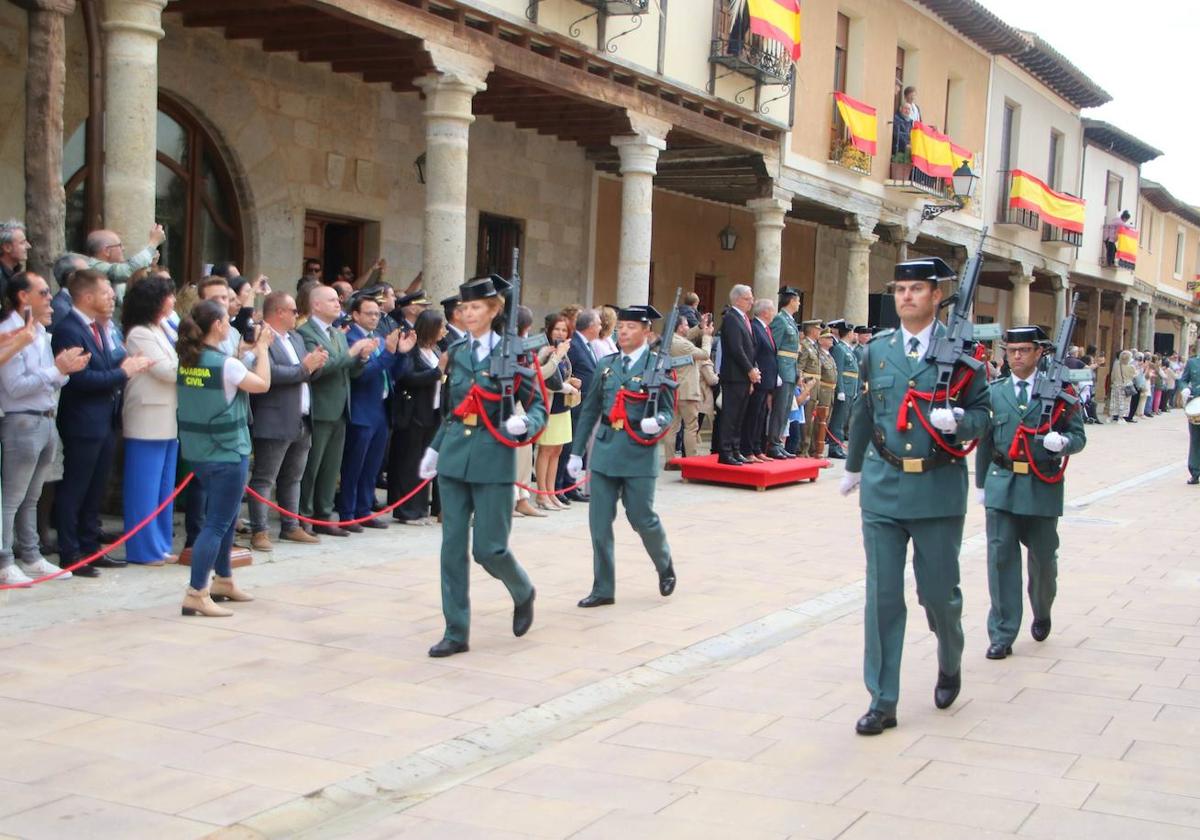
(642, 314)
(787, 292)
(480, 288)
(926, 268)
(863, 329)
(1025, 335)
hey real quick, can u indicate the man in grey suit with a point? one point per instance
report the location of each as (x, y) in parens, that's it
(282, 429)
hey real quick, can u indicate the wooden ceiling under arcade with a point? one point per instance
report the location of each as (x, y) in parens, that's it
(541, 82)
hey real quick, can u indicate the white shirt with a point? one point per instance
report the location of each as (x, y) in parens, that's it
(232, 375)
(30, 381)
(1028, 384)
(305, 397)
(485, 344)
(915, 113)
(922, 337)
(634, 356)
(602, 347)
(325, 328)
(431, 358)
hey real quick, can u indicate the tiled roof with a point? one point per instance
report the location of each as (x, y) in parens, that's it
(1117, 141)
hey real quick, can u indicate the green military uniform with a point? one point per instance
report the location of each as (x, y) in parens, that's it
(1022, 509)
(910, 491)
(1190, 379)
(621, 468)
(825, 394)
(475, 476)
(787, 354)
(330, 412)
(808, 366)
(846, 392)
(860, 351)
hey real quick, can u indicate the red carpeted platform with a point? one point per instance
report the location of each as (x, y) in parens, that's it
(758, 476)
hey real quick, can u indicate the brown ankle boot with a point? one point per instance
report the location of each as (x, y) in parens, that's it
(224, 589)
(198, 602)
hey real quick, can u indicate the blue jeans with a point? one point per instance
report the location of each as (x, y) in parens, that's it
(224, 484)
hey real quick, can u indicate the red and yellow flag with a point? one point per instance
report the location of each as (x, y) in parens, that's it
(1059, 209)
(860, 122)
(777, 20)
(931, 151)
(1127, 245)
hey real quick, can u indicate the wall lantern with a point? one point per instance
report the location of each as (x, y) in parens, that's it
(963, 184)
(728, 236)
(419, 165)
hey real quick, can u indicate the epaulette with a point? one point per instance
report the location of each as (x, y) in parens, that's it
(882, 334)
(456, 342)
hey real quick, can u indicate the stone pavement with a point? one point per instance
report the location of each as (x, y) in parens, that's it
(726, 710)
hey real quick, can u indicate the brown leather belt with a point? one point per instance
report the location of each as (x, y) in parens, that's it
(1022, 467)
(935, 459)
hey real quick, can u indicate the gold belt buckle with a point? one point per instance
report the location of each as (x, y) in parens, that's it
(471, 420)
(913, 465)
(619, 425)
(1021, 467)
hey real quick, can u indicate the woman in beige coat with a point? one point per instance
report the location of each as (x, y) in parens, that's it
(1123, 373)
(148, 416)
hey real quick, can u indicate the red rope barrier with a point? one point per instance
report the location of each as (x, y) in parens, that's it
(341, 523)
(124, 539)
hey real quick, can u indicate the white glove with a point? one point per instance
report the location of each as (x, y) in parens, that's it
(516, 426)
(575, 467)
(650, 426)
(979, 495)
(841, 397)
(850, 482)
(1054, 442)
(945, 420)
(428, 466)
(1186, 393)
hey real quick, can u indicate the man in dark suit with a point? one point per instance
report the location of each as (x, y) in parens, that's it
(583, 366)
(64, 267)
(330, 405)
(754, 428)
(737, 374)
(88, 411)
(282, 429)
(452, 309)
(367, 432)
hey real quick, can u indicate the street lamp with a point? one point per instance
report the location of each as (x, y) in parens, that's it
(963, 184)
(728, 236)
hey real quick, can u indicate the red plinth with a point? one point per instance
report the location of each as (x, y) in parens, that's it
(758, 476)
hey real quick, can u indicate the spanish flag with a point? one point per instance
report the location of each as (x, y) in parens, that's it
(931, 151)
(860, 122)
(777, 20)
(1059, 209)
(1127, 245)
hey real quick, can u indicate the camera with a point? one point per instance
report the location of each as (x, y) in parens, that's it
(243, 322)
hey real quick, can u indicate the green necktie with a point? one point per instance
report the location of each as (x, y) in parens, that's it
(624, 364)
(1023, 396)
(914, 347)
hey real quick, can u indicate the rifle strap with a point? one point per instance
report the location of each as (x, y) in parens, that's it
(477, 398)
(912, 399)
(619, 415)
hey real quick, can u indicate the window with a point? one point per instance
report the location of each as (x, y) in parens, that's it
(498, 236)
(1007, 152)
(899, 77)
(1146, 239)
(194, 197)
(841, 53)
(1054, 168)
(1112, 194)
(956, 91)
(1179, 245)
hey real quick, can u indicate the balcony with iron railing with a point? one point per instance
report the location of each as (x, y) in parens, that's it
(739, 51)
(1053, 233)
(842, 151)
(905, 177)
(1016, 216)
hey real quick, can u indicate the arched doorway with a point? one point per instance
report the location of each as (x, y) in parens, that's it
(194, 196)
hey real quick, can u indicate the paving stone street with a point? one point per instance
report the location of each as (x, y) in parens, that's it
(724, 711)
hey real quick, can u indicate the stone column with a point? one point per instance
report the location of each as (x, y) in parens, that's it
(1134, 341)
(132, 30)
(769, 216)
(1021, 279)
(639, 162)
(1062, 297)
(45, 83)
(1150, 316)
(448, 94)
(1181, 346)
(856, 309)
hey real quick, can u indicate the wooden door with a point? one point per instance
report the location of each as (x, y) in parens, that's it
(705, 287)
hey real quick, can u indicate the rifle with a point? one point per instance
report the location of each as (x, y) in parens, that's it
(1051, 386)
(664, 362)
(957, 346)
(506, 359)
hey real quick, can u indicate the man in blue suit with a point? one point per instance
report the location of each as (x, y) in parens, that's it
(754, 429)
(583, 365)
(87, 417)
(64, 267)
(367, 431)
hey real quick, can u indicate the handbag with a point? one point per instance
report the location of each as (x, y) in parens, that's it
(1129, 390)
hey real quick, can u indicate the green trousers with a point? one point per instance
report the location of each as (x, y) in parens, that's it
(1194, 449)
(936, 543)
(492, 505)
(319, 484)
(839, 420)
(637, 494)
(1006, 533)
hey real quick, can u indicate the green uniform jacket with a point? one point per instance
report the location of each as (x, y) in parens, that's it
(1023, 494)
(860, 351)
(847, 368)
(1190, 378)
(470, 453)
(614, 452)
(885, 489)
(787, 340)
(330, 384)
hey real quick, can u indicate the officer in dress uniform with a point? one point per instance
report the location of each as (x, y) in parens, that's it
(474, 458)
(624, 458)
(787, 353)
(863, 334)
(1189, 384)
(847, 386)
(905, 450)
(1018, 473)
(808, 363)
(826, 392)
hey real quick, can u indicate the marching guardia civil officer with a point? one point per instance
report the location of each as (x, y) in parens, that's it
(473, 456)
(905, 451)
(787, 351)
(1019, 473)
(624, 459)
(1189, 384)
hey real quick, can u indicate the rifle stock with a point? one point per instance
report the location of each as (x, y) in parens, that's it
(957, 345)
(1051, 385)
(506, 359)
(659, 375)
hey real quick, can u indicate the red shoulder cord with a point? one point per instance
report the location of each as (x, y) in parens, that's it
(1021, 443)
(619, 413)
(474, 403)
(913, 398)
